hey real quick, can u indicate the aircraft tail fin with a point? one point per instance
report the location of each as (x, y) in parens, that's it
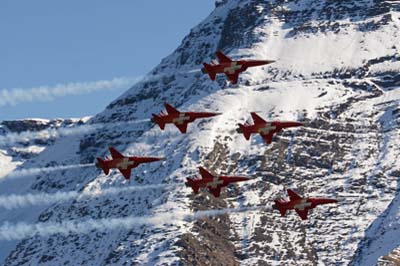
(208, 69)
(102, 164)
(244, 131)
(157, 119)
(278, 205)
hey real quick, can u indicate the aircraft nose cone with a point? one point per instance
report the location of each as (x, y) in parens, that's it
(274, 207)
(265, 62)
(204, 70)
(244, 178)
(239, 130)
(299, 124)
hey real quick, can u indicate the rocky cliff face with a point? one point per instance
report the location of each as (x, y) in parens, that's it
(337, 71)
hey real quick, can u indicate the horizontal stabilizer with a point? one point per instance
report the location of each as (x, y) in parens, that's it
(102, 164)
(208, 69)
(158, 120)
(280, 207)
(244, 131)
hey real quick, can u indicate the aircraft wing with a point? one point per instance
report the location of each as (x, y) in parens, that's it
(233, 78)
(222, 58)
(257, 119)
(215, 191)
(126, 173)
(204, 173)
(303, 214)
(267, 137)
(293, 195)
(182, 127)
(115, 154)
(171, 109)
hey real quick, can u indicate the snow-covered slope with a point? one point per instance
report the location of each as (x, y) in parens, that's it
(337, 70)
(22, 140)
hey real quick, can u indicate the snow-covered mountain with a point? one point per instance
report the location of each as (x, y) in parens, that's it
(17, 146)
(337, 70)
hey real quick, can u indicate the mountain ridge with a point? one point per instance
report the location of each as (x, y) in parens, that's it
(330, 72)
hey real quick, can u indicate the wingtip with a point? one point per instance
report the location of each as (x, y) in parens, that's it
(255, 112)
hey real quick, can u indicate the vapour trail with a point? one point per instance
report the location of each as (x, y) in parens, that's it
(26, 136)
(192, 71)
(14, 201)
(35, 171)
(46, 134)
(9, 231)
(47, 93)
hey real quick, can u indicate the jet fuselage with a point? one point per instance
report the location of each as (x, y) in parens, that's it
(212, 182)
(222, 181)
(235, 66)
(305, 203)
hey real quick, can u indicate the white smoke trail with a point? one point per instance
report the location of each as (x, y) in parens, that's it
(20, 201)
(46, 93)
(191, 71)
(35, 171)
(18, 231)
(60, 132)
(124, 123)
(46, 134)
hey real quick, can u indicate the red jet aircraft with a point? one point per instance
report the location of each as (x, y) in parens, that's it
(122, 163)
(299, 204)
(229, 67)
(264, 128)
(211, 182)
(179, 119)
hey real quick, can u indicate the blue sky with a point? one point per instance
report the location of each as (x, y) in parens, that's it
(47, 42)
